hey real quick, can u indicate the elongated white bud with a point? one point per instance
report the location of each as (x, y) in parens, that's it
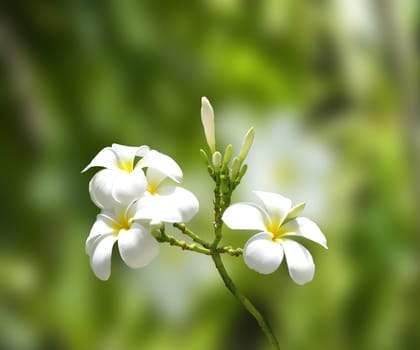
(207, 119)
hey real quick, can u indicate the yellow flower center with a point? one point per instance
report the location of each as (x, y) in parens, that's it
(153, 188)
(277, 232)
(122, 224)
(126, 165)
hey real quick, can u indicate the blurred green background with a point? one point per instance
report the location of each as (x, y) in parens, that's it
(331, 89)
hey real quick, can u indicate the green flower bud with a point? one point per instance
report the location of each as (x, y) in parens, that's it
(242, 172)
(236, 164)
(227, 155)
(247, 143)
(204, 156)
(217, 159)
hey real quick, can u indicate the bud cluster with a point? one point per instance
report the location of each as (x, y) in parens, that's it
(221, 167)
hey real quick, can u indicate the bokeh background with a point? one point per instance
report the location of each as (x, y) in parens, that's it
(331, 89)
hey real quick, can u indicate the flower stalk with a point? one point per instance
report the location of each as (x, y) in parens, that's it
(246, 303)
(222, 197)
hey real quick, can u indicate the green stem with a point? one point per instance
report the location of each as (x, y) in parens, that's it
(191, 234)
(183, 228)
(230, 250)
(222, 198)
(163, 237)
(244, 300)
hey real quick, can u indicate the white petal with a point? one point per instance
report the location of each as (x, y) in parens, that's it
(154, 178)
(171, 204)
(276, 206)
(163, 163)
(137, 246)
(245, 216)
(262, 254)
(142, 151)
(129, 211)
(103, 225)
(129, 186)
(106, 158)
(183, 202)
(304, 227)
(100, 188)
(299, 262)
(100, 259)
(126, 154)
(147, 208)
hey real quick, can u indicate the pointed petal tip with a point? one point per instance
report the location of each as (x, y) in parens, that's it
(310, 230)
(206, 108)
(323, 244)
(87, 167)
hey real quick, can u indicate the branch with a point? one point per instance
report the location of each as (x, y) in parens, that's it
(191, 234)
(247, 304)
(163, 237)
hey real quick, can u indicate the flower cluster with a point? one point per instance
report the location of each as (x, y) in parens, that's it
(134, 199)
(135, 202)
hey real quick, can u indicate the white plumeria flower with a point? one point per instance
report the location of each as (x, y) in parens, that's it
(123, 181)
(165, 203)
(136, 244)
(278, 222)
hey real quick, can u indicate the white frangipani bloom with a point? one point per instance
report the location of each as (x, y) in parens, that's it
(278, 222)
(165, 203)
(136, 244)
(123, 181)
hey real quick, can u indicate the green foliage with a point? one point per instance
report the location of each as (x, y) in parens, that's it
(80, 75)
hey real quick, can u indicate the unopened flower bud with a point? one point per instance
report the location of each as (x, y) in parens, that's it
(217, 159)
(227, 155)
(204, 156)
(242, 172)
(236, 164)
(207, 119)
(247, 143)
